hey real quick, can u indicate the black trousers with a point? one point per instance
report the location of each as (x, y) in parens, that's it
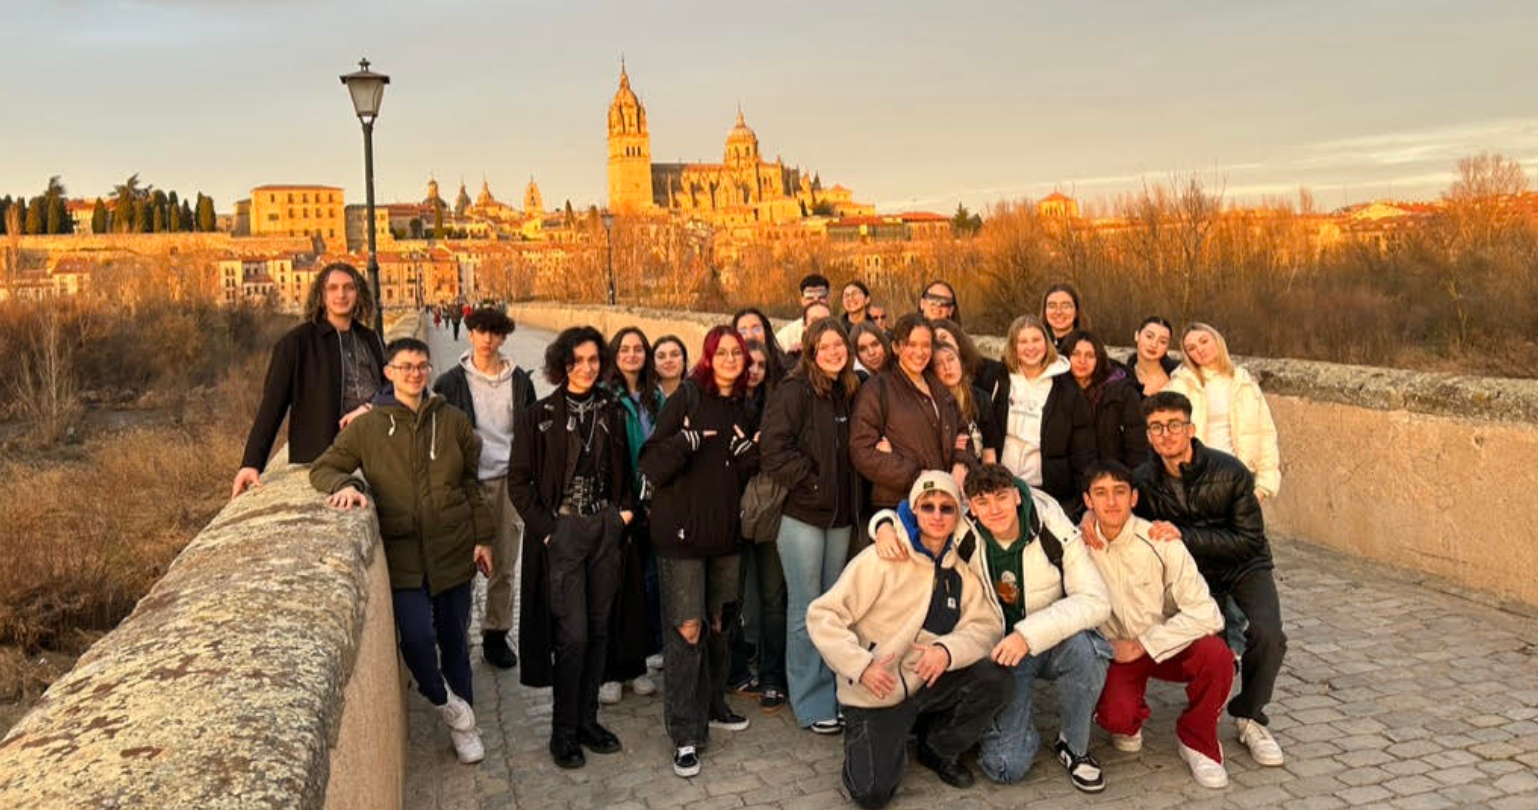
(952, 716)
(1264, 644)
(584, 560)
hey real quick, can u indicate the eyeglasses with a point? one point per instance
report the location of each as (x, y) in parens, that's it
(421, 368)
(1160, 428)
(946, 509)
(939, 300)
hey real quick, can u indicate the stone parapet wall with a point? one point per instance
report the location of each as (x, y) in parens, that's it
(163, 244)
(260, 672)
(1423, 471)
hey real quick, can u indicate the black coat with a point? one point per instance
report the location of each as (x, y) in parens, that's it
(304, 382)
(454, 385)
(536, 483)
(1120, 432)
(696, 503)
(1166, 362)
(991, 381)
(806, 450)
(1067, 440)
(1213, 504)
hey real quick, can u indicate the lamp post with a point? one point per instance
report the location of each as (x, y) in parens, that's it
(367, 90)
(608, 240)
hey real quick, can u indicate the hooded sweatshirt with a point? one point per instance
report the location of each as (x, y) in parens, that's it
(1027, 404)
(493, 399)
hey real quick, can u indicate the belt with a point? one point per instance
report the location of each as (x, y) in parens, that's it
(585, 511)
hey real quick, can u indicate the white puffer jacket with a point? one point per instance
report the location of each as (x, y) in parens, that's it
(1250, 424)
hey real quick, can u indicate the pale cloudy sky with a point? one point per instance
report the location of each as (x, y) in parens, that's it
(915, 105)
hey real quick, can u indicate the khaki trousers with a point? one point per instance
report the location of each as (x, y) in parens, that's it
(505, 545)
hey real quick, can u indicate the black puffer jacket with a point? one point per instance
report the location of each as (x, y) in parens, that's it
(1120, 432)
(698, 483)
(1213, 503)
(806, 449)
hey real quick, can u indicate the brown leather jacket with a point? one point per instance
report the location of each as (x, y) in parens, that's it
(921, 429)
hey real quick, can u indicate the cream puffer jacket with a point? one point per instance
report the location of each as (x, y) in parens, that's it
(1157, 595)
(1250, 424)
(877, 608)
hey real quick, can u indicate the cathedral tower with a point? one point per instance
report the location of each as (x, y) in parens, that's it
(630, 151)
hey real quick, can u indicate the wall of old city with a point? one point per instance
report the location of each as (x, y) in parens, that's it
(163, 244)
(259, 672)
(1426, 472)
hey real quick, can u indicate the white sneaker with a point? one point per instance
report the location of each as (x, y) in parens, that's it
(1256, 737)
(1131, 743)
(609, 693)
(654, 662)
(643, 685)
(467, 745)
(457, 714)
(1207, 772)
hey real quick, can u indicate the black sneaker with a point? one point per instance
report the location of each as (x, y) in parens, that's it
(496, 650)
(566, 752)
(950, 771)
(598, 739)
(1083, 771)
(744, 686)
(686, 762)
(771, 700)
(729, 720)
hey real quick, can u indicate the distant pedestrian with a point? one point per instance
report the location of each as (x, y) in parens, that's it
(322, 374)
(455, 316)
(421, 458)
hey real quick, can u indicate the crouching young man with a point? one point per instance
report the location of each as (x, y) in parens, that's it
(1048, 599)
(1163, 625)
(421, 457)
(909, 642)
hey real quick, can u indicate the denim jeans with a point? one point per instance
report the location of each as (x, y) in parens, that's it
(813, 558)
(1076, 667)
(695, 686)
(433, 634)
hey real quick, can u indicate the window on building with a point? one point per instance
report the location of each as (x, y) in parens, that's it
(290, 198)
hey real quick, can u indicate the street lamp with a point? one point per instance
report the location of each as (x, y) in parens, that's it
(367, 90)
(608, 240)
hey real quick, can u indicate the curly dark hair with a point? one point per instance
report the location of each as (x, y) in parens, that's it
(989, 478)
(488, 319)
(315, 299)
(562, 352)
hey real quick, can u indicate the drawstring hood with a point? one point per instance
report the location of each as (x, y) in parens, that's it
(432, 443)
(386, 401)
(392, 425)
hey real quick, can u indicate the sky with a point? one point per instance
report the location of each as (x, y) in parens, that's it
(914, 105)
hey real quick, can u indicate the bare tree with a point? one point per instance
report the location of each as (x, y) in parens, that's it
(44, 386)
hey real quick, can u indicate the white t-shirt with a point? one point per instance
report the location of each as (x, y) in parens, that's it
(1022, 441)
(1220, 398)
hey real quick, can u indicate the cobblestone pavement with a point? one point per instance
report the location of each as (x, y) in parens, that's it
(1394, 694)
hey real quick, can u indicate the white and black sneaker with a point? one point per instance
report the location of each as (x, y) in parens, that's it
(1083, 770)
(834, 726)
(686, 762)
(729, 720)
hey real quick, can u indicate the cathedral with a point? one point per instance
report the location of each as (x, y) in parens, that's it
(743, 189)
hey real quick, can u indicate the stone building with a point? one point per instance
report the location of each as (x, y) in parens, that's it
(743, 189)
(300, 210)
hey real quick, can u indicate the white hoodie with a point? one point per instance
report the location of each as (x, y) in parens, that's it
(493, 398)
(1027, 402)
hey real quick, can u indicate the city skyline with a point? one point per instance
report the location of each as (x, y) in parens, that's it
(993, 102)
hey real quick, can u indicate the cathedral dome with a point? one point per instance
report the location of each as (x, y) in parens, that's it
(742, 133)
(741, 143)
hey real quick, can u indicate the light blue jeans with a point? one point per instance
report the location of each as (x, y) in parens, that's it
(813, 558)
(1076, 667)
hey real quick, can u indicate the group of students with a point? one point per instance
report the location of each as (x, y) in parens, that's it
(1110, 525)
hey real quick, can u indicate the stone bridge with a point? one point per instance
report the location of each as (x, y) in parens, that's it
(261, 671)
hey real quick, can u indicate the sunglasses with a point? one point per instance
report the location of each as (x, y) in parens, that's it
(930, 508)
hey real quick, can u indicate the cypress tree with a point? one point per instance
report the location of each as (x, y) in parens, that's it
(5, 205)
(99, 217)
(188, 222)
(35, 218)
(206, 219)
(143, 219)
(173, 213)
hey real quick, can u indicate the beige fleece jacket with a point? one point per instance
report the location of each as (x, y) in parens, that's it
(1157, 595)
(877, 608)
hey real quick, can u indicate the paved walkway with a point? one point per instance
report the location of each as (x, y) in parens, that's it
(1393, 695)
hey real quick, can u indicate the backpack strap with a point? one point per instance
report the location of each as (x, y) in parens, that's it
(1050, 545)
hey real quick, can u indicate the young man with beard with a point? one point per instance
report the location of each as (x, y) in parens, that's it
(569, 478)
